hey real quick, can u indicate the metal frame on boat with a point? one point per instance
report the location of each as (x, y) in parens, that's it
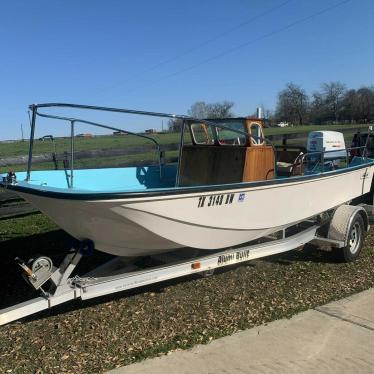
(72, 120)
(214, 124)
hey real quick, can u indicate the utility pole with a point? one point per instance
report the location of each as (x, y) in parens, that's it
(28, 112)
(23, 139)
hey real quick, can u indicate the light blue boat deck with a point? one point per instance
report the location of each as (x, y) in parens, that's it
(101, 180)
(128, 179)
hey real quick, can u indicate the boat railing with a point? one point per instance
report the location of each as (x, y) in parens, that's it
(72, 120)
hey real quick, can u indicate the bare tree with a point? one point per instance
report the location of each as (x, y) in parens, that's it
(365, 103)
(293, 103)
(338, 104)
(201, 110)
(333, 93)
(198, 110)
(350, 110)
(220, 110)
(175, 125)
(318, 112)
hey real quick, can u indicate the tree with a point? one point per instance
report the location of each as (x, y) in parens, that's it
(333, 93)
(293, 104)
(365, 103)
(318, 112)
(202, 110)
(198, 110)
(220, 110)
(350, 110)
(175, 125)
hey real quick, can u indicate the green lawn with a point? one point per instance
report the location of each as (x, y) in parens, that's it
(20, 148)
(308, 128)
(101, 162)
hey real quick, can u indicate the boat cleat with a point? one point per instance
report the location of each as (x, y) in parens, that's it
(10, 178)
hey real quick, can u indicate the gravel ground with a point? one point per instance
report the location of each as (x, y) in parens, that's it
(97, 335)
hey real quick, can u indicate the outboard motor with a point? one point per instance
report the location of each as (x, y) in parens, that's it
(327, 148)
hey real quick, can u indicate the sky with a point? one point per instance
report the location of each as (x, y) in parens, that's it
(165, 55)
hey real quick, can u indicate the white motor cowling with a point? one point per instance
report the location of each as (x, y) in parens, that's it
(330, 142)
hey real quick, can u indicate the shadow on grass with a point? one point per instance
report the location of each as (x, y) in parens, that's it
(21, 215)
(14, 287)
(309, 252)
(55, 244)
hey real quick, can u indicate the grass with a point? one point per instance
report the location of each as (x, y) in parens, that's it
(112, 161)
(97, 335)
(308, 128)
(20, 148)
(116, 142)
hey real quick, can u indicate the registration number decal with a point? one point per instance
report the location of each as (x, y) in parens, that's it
(214, 200)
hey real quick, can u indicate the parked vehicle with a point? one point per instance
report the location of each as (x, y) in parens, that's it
(282, 124)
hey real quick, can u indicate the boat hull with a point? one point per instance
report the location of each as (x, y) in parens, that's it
(159, 222)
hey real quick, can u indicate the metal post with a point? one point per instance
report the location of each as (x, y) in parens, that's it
(181, 143)
(284, 142)
(347, 151)
(160, 160)
(365, 152)
(72, 154)
(28, 113)
(31, 144)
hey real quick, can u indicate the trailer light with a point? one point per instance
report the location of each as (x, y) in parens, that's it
(196, 265)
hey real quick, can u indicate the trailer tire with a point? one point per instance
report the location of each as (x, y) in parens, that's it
(355, 239)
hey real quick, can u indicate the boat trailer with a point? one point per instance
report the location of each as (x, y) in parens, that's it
(345, 230)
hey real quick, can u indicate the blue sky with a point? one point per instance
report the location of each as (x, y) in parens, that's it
(164, 55)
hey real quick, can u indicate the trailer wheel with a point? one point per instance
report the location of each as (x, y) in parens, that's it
(355, 239)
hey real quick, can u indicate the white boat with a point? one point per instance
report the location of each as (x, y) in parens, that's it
(224, 191)
(228, 188)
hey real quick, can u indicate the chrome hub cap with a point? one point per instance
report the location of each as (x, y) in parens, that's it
(354, 238)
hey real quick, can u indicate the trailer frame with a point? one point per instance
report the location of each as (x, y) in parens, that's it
(120, 274)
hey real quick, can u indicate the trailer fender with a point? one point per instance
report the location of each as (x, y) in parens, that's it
(342, 219)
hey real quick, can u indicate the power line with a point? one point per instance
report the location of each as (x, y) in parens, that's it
(206, 42)
(243, 45)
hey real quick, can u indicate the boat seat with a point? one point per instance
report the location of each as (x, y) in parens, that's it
(291, 166)
(284, 168)
(212, 164)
